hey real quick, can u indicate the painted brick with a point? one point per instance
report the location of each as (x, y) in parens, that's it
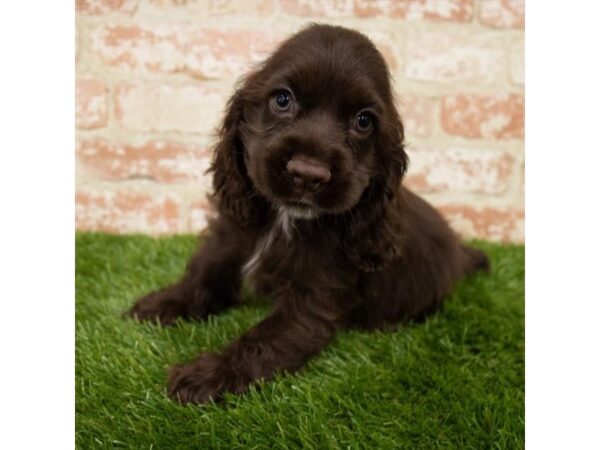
(126, 212)
(502, 13)
(239, 7)
(140, 43)
(160, 161)
(461, 56)
(459, 170)
(97, 7)
(435, 10)
(438, 10)
(215, 8)
(495, 224)
(318, 8)
(484, 116)
(418, 115)
(517, 63)
(90, 104)
(201, 212)
(386, 42)
(199, 52)
(522, 178)
(192, 108)
(77, 44)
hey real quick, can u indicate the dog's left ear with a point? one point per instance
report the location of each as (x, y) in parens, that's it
(394, 160)
(375, 236)
(233, 191)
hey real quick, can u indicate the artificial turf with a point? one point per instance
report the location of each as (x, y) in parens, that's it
(455, 381)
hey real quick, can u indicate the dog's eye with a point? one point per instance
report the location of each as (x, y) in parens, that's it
(364, 121)
(281, 100)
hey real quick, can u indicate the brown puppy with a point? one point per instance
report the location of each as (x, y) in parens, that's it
(307, 179)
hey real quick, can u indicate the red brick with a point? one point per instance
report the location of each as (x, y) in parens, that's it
(495, 224)
(126, 212)
(418, 115)
(436, 10)
(460, 170)
(484, 116)
(502, 13)
(199, 52)
(162, 107)
(96, 7)
(160, 161)
(90, 104)
(460, 56)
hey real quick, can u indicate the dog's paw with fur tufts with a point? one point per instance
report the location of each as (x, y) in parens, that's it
(205, 379)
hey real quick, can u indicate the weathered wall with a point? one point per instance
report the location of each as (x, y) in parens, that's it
(153, 77)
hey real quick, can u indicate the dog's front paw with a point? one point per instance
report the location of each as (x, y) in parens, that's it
(161, 306)
(209, 377)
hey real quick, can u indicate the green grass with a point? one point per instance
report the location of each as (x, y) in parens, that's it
(455, 381)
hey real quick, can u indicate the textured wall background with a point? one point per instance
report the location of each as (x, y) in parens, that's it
(153, 77)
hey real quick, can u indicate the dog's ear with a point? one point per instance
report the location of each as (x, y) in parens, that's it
(233, 191)
(393, 160)
(374, 237)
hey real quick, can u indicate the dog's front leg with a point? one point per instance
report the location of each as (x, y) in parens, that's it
(298, 328)
(211, 282)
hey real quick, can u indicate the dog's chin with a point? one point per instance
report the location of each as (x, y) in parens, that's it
(298, 209)
(299, 212)
(307, 206)
(306, 210)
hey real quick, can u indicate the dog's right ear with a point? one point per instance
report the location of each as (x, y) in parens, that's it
(234, 194)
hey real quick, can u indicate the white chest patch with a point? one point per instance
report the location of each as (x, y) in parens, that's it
(282, 227)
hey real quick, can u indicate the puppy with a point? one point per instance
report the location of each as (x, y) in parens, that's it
(307, 186)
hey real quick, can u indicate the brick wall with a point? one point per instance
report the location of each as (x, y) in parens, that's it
(153, 77)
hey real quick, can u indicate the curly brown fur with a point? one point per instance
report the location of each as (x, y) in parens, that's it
(307, 179)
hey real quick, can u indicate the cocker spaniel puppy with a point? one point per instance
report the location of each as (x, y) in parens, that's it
(307, 186)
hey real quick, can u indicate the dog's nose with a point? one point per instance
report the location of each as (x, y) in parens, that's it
(308, 173)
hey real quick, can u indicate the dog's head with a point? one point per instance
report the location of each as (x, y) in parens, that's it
(313, 132)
